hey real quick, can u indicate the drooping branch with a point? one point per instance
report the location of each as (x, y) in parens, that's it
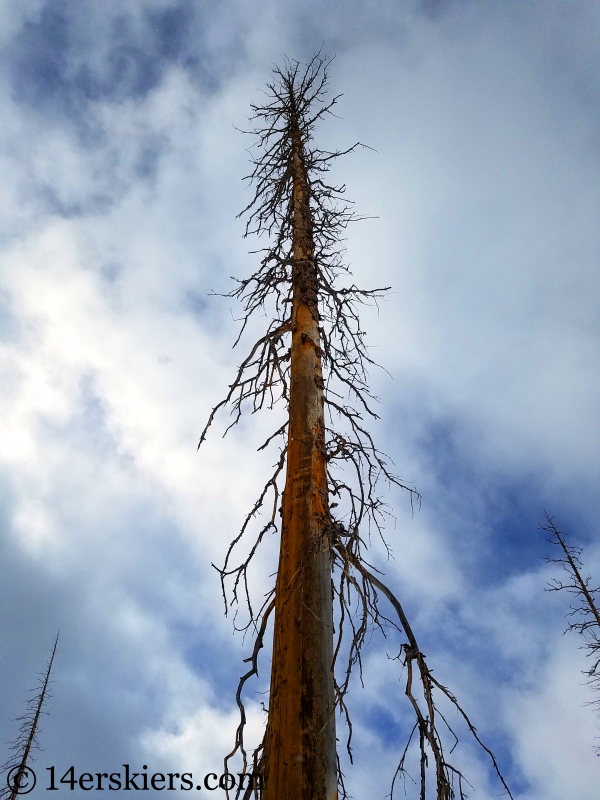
(366, 585)
(263, 615)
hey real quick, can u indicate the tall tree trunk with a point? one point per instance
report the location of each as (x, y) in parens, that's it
(300, 745)
(293, 201)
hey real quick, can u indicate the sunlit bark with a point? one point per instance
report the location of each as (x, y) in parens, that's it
(300, 755)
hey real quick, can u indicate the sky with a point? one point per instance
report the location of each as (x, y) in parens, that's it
(122, 166)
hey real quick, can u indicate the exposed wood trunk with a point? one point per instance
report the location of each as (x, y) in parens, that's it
(300, 745)
(291, 199)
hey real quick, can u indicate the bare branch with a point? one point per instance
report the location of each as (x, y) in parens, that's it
(16, 767)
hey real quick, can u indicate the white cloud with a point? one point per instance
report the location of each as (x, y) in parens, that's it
(554, 728)
(486, 187)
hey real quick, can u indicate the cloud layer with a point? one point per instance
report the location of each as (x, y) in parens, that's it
(121, 183)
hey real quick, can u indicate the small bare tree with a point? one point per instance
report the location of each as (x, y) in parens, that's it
(585, 610)
(312, 357)
(16, 767)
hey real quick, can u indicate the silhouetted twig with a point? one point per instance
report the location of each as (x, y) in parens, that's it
(585, 609)
(16, 767)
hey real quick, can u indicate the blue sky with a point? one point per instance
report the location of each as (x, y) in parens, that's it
(121, 183)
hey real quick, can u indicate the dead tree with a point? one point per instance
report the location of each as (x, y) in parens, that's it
(585, 611)
(17, 767)
(313, 358)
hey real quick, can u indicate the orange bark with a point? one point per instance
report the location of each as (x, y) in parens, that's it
(300, 744)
